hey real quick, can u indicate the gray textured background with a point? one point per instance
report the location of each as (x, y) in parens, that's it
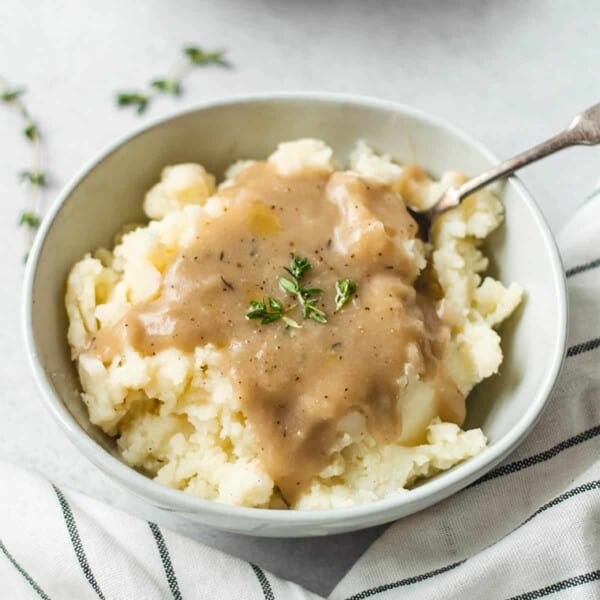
(510, 73)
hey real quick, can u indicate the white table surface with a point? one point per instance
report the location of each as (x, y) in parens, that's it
(510, 73)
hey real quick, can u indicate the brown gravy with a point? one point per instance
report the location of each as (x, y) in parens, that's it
(294, 385)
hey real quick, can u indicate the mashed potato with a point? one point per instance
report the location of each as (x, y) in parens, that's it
(175, 414)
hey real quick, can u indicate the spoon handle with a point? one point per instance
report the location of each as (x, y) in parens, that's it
(584, 129)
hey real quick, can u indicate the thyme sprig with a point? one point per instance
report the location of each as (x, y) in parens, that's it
(307, 297)
(34, 176)
(344, 290)
(268, 311)
(271, 309)
(172, 84)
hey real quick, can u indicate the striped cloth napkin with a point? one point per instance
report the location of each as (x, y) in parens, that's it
(528, 529)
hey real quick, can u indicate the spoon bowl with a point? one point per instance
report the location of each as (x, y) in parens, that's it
(583, 130)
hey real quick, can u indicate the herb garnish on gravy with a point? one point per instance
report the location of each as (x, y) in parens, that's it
(271, 310)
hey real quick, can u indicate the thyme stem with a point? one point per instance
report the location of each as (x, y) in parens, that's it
(34, 176)
(193, 57)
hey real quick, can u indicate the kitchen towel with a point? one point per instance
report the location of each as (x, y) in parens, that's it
(528, 529)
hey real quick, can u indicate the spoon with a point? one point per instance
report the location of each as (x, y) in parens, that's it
(583, 130)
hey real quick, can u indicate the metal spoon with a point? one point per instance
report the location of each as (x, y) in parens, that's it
(583, 130)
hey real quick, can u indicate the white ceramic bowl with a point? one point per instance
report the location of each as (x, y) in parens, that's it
(108, 192)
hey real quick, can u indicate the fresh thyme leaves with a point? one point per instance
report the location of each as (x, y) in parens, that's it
(288, 286)
(272, 310)
(30, 218)
(267, 311)
(193, 56)
(33, 177)
(307, 297)
(299, 267)
(310, 310)
(31, 132)
(344, 290)
(198, 56)
(140, 101)
(291, 323)
(10, 95)
(168, 86)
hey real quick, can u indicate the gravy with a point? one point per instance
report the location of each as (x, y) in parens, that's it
(294, 385)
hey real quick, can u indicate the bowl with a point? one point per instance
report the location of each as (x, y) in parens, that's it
(107, 193)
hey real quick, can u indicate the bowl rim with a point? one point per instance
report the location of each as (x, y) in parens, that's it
(435, 489)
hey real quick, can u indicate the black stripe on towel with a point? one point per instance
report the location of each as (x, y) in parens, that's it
(580, 489)
(588, 266)
(404, 582)
(585, 487)
(264, 582)
(583, 347)
(26, 575)
(76, 542)
(559, 586)
(165, 557)
(535, 459)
